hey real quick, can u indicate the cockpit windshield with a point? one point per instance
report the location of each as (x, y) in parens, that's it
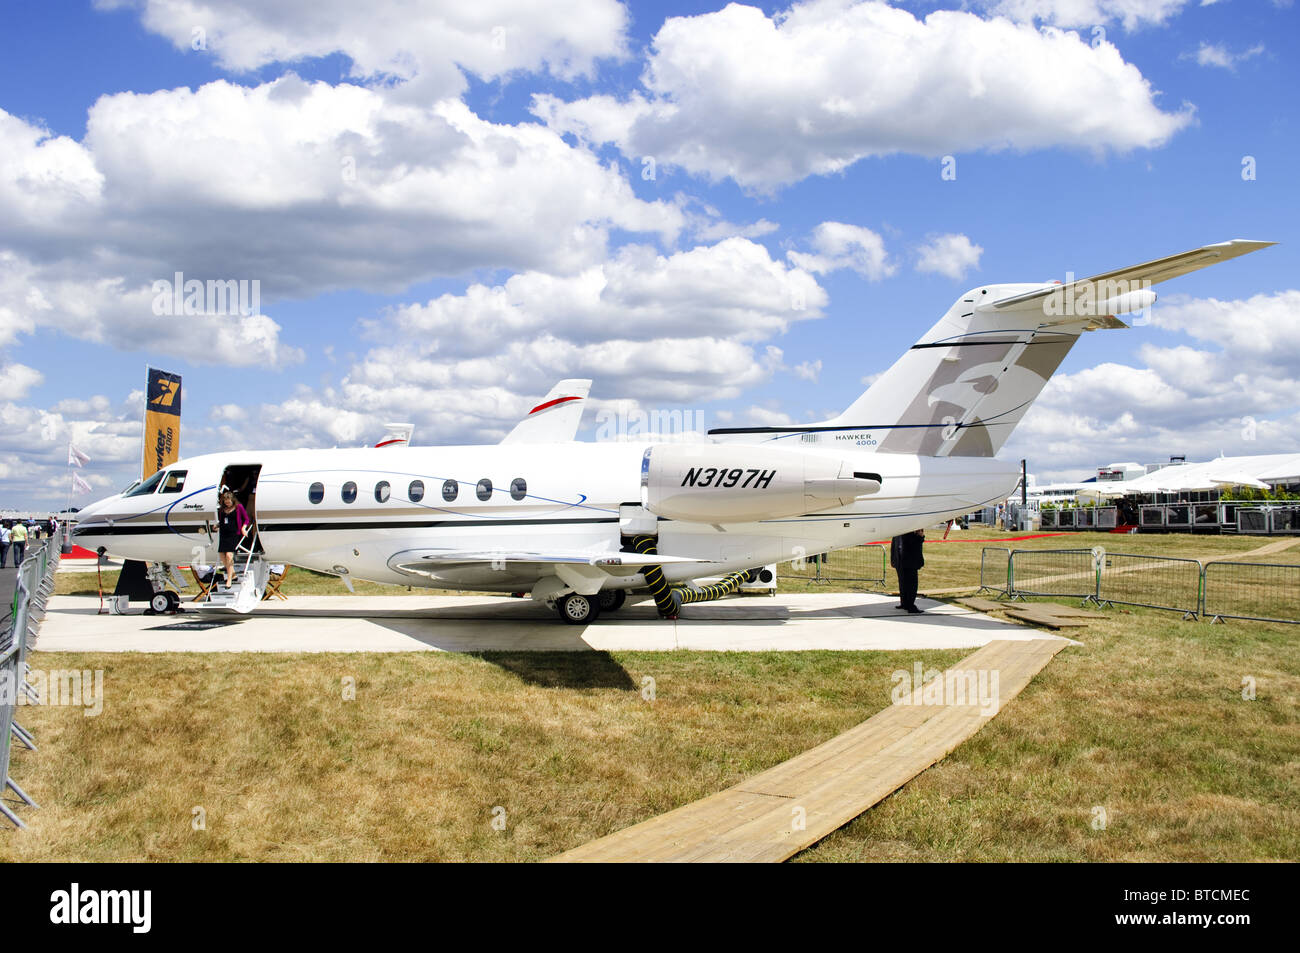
(148, 486)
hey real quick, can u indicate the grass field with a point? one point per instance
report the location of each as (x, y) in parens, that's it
(1145, 721)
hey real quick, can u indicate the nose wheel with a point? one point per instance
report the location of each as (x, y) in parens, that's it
(164, 602)
(577, 609)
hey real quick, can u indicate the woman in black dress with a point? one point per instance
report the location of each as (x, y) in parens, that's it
(234, 523)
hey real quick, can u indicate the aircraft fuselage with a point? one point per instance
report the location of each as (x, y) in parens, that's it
(352, 511)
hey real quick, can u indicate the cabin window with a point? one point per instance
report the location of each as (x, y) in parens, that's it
(349, 492)
(415, 492)
(484, 489)
(382, 491)
(518, 488)
(174, 482)
(316, 492)
(449, 490)
(148, 486)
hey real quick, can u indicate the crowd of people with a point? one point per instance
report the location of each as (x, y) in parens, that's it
(15, 534)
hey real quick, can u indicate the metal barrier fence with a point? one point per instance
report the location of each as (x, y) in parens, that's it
(1079, 517)
(33, 584)
(1265, 592)
(1157, 582)
(1217, 590)
(856, 564)
(1181, 517)
(995, 570)
(1052, 572)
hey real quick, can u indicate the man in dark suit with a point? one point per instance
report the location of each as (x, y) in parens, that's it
(905, 556)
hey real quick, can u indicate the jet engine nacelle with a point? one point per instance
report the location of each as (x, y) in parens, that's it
(725, 483)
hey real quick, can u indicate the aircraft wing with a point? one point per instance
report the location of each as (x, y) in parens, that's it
(1104, 287)
(417, 560)
(555, 419)
(585, 572)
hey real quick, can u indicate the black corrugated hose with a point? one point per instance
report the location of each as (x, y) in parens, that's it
(669, 599)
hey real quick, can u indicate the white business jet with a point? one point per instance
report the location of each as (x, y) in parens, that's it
(578, 525)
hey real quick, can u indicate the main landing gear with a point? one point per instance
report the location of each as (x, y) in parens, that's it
(577, 609)
(611, 600)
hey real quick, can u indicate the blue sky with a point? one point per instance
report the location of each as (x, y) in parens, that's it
(499, 232)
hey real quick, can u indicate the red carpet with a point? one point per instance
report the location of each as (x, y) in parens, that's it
(1000, 539)
(79, 552)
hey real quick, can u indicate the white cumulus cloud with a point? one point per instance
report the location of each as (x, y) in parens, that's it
(836, 245)
(952, 255)
(767, 101)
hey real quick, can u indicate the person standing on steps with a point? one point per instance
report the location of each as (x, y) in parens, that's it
(906, 558)
(234, 523)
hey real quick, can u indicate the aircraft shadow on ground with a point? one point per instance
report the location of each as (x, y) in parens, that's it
(562, 669)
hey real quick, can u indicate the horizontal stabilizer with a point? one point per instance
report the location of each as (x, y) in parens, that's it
(1088, 297)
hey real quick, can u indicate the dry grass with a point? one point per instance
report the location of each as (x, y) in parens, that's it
(411, 770)
(1145, 720)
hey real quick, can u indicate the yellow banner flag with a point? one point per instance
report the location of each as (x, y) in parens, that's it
(162, 422)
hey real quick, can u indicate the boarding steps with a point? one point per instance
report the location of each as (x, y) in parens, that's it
(250, 585)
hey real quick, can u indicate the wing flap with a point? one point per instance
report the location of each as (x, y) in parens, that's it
(423, 562)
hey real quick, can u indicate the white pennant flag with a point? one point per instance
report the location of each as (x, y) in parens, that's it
(80, 485)
(76, 458)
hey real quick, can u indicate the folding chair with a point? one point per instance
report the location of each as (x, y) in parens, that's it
(204, 587)
(273, 582)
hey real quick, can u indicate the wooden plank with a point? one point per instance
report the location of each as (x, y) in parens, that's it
(980, 604)
(788, 807)
(1038, 617)
(1070, 612)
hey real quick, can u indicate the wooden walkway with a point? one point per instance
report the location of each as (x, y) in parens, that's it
(778, 813)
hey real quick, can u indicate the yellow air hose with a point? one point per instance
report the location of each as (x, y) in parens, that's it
(669, 599)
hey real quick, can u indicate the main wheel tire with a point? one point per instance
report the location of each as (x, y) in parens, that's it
(173, 601)
(159, 602)
(611, 600)
(577, 609)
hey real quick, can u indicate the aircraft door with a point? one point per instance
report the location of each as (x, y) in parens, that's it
(241, 478)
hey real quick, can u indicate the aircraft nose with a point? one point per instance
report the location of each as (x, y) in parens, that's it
(93, 509)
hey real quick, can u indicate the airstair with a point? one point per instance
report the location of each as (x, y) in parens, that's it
(251, 574)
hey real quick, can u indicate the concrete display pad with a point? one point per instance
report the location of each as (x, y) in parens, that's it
(795, 622)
